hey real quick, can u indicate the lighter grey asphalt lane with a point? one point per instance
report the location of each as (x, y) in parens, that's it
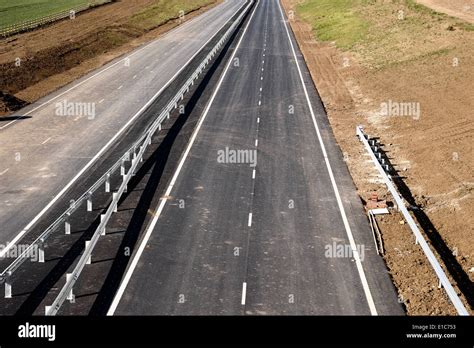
(236, 239)
(40, 155)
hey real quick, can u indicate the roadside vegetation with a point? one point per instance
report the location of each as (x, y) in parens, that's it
(164, 10)
(14, 11)
(381, 33)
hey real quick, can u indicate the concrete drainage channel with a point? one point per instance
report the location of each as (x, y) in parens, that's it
(67, 247)
(385, 169)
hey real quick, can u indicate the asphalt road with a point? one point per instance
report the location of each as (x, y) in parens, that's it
(271, 236)
(42, 153)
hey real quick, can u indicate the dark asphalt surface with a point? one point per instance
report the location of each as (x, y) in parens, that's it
(208, 255)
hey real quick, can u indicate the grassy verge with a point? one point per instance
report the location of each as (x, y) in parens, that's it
(14, 11)
(164, 10)
(335, 20)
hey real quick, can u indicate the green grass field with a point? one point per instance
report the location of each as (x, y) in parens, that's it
(335, 20)
(163, 10)
(14, 11)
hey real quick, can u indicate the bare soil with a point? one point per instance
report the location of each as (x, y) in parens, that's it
(58, 54)
(463, 9)
(434, 152)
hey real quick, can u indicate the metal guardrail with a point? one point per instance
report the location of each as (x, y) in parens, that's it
(34, 23)
(145, 140)
(381, 166)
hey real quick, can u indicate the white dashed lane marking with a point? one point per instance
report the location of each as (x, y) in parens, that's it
(244, 293)
(44, 142)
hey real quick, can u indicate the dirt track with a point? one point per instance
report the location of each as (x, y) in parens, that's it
(433, 153)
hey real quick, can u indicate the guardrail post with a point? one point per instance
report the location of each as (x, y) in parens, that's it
(89, 201)
(70, 297)
(122, 168)
(8, 285)
(107, 183)
(102, 216)
(114, 196)
(126, 186)
(89, 260)
(41, 251)
(67, 227)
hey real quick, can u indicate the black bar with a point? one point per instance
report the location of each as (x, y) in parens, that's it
(242, 330)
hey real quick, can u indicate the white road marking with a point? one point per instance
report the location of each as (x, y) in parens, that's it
(101, 101)
(256, 142)
(6, 170)
(44, 142)
(134, 77)
(120, 87)
(244, 293)
(151, 226)
(258, 119)
(250, 220)
(259, 102)
(253, 174)
(106, 146)
(261, 89)
(350, 236)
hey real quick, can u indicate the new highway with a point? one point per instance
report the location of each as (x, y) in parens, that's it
(260, 216)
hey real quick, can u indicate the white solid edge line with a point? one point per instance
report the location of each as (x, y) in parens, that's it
(101, 151)
(151, 226)
(120, 60)
(350, 236)
(244, 293)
